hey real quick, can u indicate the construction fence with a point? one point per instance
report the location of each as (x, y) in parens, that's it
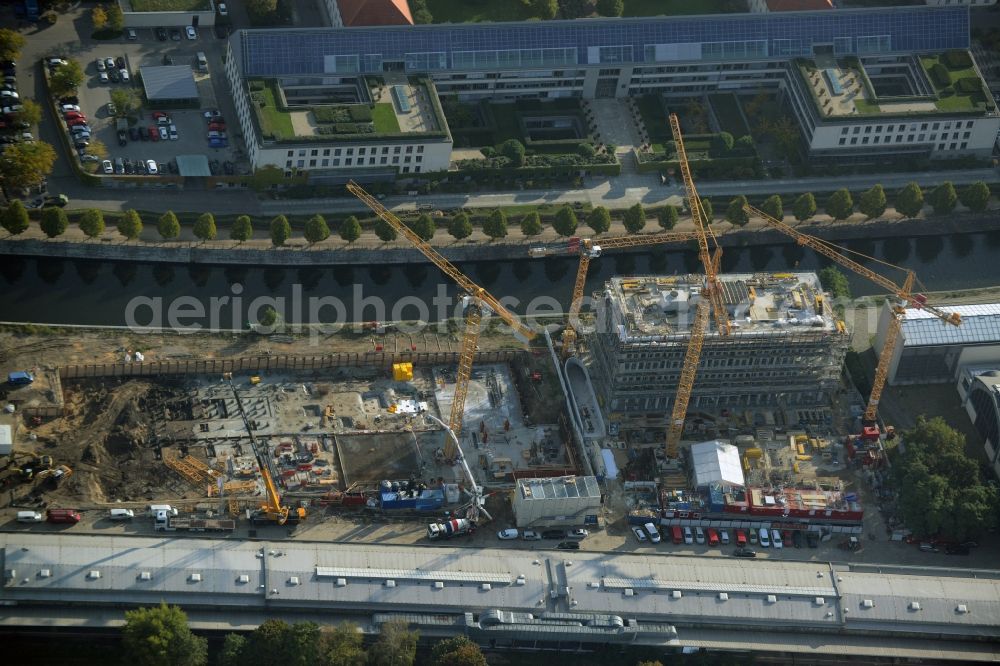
(383, 360)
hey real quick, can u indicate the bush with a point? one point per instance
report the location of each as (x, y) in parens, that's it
(385, 231)
(204, 227)
(722, 143)
(599, 220)
(53, 221)
(840, 205)
(281, 231)
(667, 217)
(424, 227)
(735, 213)
(168, 227)
(939, 73)
(496, 225)
(460, 227)
(976, 197)
(316, 229)
(350, 229)
(969, 84)
(531, 224)
(957, 59)
(92, 223)
(130, 225)
(635, 219)
(242, 229)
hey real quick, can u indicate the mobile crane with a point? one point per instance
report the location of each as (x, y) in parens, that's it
(478, 302)
(589, 248)
(272, 508)
(904, 297)
(710, 302)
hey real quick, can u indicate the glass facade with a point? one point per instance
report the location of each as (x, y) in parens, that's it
(439, 47)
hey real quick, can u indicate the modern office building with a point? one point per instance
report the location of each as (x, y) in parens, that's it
(785, 350)
(979, 388)
(567, 501)
(861, 82)
(929, 351)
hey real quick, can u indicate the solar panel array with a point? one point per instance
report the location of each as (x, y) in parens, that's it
(428, 48)
(980, 324)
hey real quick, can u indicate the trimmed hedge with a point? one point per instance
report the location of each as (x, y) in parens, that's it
(969, 84)
(940, 75)
(957, 59)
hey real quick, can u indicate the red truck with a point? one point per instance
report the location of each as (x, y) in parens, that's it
(71, 516)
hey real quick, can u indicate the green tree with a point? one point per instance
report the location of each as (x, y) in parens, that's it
(599, 220)
(126, 101)
(242, 229)
(804, 207)
(745, 145)
(706, 208)
(840, 204)
(92, 223)
(268, 319)
(545, 9)
(774, 207)
(11, 43)
(54, 221)
(495, 225)
(610, 7)
(572, 9)
(26, 164)
(635, 219)
(168, 226)
(204, 227)
(277, 642)
(910, 200)
(116, 17)
(872, 202)
(735, 213)
(940, 491)
(513, 150)
(281, 230)
(130, 224)
(457, 651)
(66, 79)
(384, 231)
(459, 226)
(586, 151)
(260, 10)
(667, 217)
(396, 645)
(976, 197)
(565, 223)
(233, 646)
(99, 17)
(943, 198)
(15, 218)
(531, 224)
(160, 636)
(350, 229)
(835, 282)
(343, 645)
(316, 229)
(722, 142)
(30, 113)
(424, 227)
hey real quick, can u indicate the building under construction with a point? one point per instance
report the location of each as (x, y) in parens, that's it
(785, 350)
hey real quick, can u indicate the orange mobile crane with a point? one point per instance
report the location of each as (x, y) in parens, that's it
(903, 294)
(272, 508)
(479, 300)
(589, 248)
(710, 302)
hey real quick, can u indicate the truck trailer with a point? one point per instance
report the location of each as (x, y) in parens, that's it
(168, 523)
(450, 528)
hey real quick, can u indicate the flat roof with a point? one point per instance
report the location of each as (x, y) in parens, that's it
(650, 308)
(193, 165)
(544, 44)
(168, 82)
(980, 325)
(558, 488)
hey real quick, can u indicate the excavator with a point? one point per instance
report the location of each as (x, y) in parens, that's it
(272, 509)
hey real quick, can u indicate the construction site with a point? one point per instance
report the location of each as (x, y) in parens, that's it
(696, 397)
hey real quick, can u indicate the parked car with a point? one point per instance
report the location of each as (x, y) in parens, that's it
(173, 132)
(9, 95)
(154, 135)
(70, 107)
(76, 122)
(122, 138)
(640, 536)
(765, 538)
(124, 74)
(175, 34)
(72, 115)
(527, 535)
(797, 538)
(114, 76)
(724, 537)
(213, 113)
(106, 166)
(133, 133)
(120, 62)
(713, 536)
(654, 534)
(109, 63)
(568, 545)
(688, 536)
(216, 127)
(81, 143)
(191, 32)
(161, 34)
(217, 143)
(503, 535)
(87, 157)
(776, 540)
(151, 167)
(744, 552)
(131, 35)
(553, 534)
(699, 536)
(223, 11)
(577, 533)
(103, 77)
(164, 134)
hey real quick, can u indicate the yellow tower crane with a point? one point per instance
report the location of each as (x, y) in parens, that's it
(710, 301)
(590, 248)
(903, 294)
(479, 300)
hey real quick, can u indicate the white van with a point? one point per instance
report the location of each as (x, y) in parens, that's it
(29, 517)
(765, 538)
(699, 535)
(157, 508)
(688, 537)
(121, 514)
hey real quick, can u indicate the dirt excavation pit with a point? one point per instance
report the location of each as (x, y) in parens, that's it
(105, 438)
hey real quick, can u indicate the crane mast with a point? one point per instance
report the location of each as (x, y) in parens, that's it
(479, 302)
(904, 295)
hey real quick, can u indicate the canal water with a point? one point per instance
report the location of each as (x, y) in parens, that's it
(67, 291)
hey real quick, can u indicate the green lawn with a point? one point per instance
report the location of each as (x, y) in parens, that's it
(170, 5)
(959, 101)
(273, 120)
(864, 106)
(384, 117)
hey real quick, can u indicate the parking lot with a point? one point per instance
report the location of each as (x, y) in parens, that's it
(190, 123)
